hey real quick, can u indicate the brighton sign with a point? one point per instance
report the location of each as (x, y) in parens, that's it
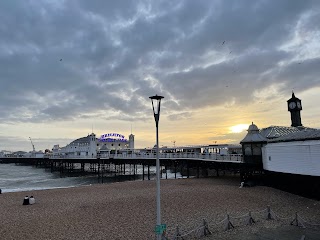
(112, 137)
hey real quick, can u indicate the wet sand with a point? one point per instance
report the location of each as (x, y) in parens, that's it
(127, 210)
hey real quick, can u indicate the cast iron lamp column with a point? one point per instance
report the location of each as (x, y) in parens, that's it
(156, 113)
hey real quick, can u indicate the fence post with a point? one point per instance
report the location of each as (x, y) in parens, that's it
(206, 230)
(250, 219)
(178, 235)
(296, 221)
(229, 225)
(269, 215)
(163, 236)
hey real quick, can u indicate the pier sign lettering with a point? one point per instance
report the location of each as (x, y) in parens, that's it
(112, 137)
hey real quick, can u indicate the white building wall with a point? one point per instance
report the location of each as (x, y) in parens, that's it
(298, 157)
(39, 155)
(93, 146)
(131, 141)
(117, 145)
(88, 149)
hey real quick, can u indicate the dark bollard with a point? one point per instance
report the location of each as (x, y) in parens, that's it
(0, 191)
(26, 200)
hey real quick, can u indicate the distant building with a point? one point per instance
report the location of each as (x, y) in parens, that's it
(91, 146)
(292, 149)
(4, 153)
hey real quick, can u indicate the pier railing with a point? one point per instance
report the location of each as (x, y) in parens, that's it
(236, 158)
(191, 156)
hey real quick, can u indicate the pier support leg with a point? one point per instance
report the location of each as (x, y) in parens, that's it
(175, 170)
(142, 171)
(98, 172)
(134, 171)
(198, 171)
(102, 170)
(188, 173)
(166, 171)
(61, 168)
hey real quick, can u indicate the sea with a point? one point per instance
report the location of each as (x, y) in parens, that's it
(18, 178)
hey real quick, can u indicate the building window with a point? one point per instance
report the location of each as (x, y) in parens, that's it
(257, 151)
(247, 151)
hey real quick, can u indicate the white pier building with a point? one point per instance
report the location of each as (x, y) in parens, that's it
(91, 146)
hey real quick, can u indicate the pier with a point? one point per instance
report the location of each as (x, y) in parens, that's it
(140, 165)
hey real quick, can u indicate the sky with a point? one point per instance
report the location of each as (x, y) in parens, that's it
(72, 67)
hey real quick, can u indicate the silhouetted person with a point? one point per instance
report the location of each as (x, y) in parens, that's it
(26, 200)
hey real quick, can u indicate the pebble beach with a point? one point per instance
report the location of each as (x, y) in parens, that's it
(127, 210)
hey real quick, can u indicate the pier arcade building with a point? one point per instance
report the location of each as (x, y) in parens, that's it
(91, 146)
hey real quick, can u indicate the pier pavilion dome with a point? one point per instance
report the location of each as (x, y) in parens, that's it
(81, 141)
(252, 144)
(85, 146)
(253, 135)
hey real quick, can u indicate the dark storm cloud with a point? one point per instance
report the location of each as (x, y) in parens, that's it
(74, 59)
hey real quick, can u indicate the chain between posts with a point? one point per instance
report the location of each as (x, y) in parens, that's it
(206, 227)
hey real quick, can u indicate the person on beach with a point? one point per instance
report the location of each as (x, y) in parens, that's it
(26, 200)
(32, 200)
(0, 191)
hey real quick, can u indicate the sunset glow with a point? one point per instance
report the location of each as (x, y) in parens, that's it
(239, 128)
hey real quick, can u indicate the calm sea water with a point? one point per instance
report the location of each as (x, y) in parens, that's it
(17, 178)
(14, 178)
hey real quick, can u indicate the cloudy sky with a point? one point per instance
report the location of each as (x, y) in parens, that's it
(70, 66)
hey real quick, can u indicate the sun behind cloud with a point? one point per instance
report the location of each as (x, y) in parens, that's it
(239, 128)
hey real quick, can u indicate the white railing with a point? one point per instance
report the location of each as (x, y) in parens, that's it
(71, 157)
(191, 156)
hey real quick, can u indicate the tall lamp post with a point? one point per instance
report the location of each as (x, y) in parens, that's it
(156, 101)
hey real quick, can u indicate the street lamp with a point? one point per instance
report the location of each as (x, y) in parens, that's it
(156, 101)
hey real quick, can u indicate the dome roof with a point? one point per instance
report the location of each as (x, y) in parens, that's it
(253, 135)
(253, 127)
(80, 141)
